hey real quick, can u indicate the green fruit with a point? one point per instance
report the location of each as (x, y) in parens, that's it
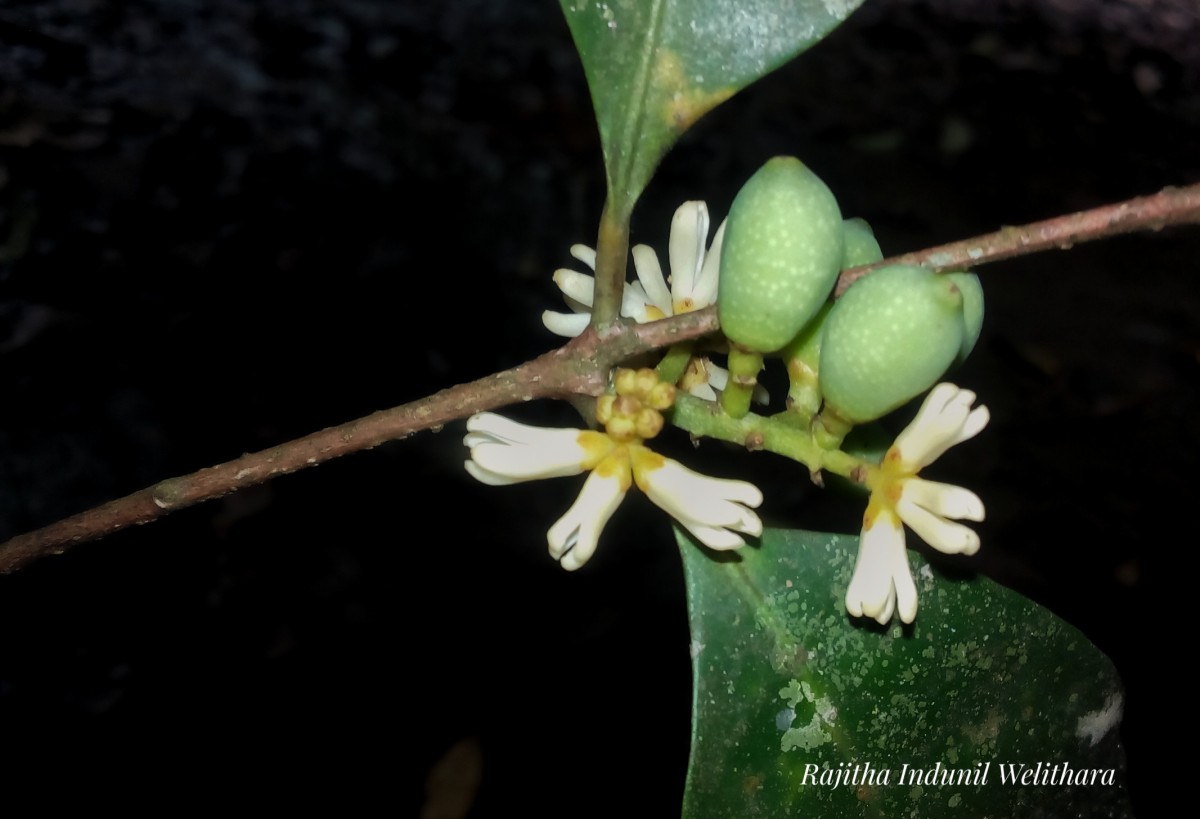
(781, 255)
(861, 247)
(890, 337)
(972, 296)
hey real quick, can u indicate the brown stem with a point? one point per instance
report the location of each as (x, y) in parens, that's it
(580, 367)
(1171, 206)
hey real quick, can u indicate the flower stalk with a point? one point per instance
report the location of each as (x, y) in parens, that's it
(774, 434)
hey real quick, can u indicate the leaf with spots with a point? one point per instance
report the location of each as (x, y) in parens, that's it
(654, 67)
(788, 686)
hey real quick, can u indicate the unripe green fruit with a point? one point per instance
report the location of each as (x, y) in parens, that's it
(781, 255)
(972, 309)
(861, 246)
(890, 337)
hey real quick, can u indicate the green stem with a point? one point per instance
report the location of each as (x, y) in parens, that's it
(744, 366)
(753, 431)
(830, 428)
(612, 252)
(675, 362)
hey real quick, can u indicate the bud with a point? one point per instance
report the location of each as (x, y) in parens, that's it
(622, 428)
(625, 381)
(604, 408)
(646, 380)
(648, 423)
(662, 396)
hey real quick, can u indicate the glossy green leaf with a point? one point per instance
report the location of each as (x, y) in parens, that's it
(656, 66)
(788, 686)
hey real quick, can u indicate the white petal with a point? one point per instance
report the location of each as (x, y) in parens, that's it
(584, 254)
(872, 589)
(575, 286)
(976, 421)
(971, 426)
(573, 538)
(689, 233)
(705, 506)
(500, 428)
(635, 303)
(906, 588)
(944, 419)
(704, 391)
(649, 273)
(567, 325)
(943, 499)
(705, 291)
(504, 451)
(686, 493)
(718, 376)
(718, 539)
(889, 607)
(486, 476)
(523, 463)
(930, 426)
(941, 534)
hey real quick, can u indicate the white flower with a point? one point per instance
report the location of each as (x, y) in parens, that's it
(693, 280)
(882, 582)
(692, 286)
(715, 511)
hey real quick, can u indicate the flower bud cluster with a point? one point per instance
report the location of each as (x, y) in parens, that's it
(635, 411)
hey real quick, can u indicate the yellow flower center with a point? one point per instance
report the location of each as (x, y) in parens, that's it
(645, 461)
(596, 447)
(886, 483)
(616, 465)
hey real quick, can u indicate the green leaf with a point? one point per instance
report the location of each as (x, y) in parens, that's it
(787, 684)
(656, 66)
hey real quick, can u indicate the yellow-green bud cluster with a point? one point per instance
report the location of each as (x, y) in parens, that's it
(635, 411)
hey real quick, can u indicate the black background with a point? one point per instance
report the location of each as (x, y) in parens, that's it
(229, 224)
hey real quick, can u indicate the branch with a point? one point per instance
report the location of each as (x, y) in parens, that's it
(579, 367)
(1172, 206)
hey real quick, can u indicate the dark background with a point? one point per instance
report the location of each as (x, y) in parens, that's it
(226, 224)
